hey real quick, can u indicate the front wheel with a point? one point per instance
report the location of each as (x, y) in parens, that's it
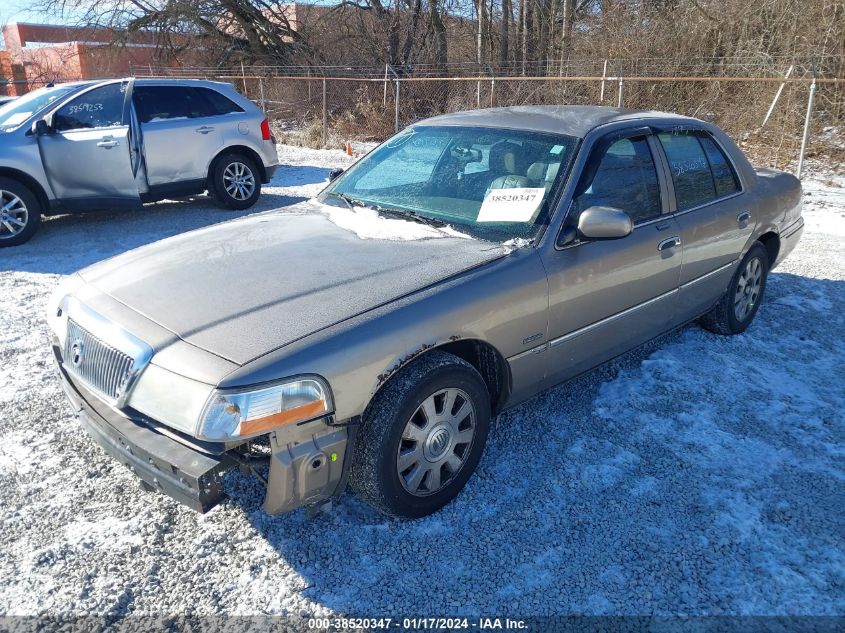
(738, 306)
(235, 181)
(20, 213)
(422, 437)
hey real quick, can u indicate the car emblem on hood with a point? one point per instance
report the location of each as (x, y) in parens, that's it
(76, 353)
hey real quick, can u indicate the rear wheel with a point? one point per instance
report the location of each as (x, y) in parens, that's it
(20, 213)
(738, 306)
(235, 181)
(422, 437)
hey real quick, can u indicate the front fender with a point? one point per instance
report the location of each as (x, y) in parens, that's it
(500, 303)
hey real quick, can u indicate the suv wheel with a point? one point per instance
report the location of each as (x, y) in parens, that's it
(235, 181)
(20, 213)
(738, 306)
(422, 437)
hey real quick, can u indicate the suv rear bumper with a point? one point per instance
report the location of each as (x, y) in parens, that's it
(269, 172)
(187, 475)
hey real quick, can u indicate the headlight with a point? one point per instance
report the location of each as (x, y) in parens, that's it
(246, 413)
(170, 398)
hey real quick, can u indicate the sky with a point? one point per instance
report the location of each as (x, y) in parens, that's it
(14, 11)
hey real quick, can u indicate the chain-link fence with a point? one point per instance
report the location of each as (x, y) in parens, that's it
(766, 116)
(762, 101)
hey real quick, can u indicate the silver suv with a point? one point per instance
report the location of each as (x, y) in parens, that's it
(115, 144)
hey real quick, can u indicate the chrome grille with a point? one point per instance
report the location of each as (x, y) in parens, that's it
(100, 366)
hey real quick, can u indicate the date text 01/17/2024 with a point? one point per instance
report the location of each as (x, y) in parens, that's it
(416, 624)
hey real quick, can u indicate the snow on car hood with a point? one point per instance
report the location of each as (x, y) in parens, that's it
(368, 224)
(243, 288)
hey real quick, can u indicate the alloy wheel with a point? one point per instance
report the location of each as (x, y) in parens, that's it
(238, 180)
(13, 214)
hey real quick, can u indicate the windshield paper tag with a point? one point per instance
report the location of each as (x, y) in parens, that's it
(511, 205)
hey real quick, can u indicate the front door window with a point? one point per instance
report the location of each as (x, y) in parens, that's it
(625, 179)
(98, 108)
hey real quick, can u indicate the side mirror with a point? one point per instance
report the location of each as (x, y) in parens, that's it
(604, 223)
(334, 173)
(40, 127)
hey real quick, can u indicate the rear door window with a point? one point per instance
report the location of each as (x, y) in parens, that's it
(166, 103)
(690, 168)
(724, 177)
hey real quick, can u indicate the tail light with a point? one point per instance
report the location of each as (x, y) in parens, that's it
(265, 130)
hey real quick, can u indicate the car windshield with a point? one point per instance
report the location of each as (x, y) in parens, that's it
(16, 112)
(493, 184)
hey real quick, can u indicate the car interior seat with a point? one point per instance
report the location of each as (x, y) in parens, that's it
(536, 174)
(506, 166)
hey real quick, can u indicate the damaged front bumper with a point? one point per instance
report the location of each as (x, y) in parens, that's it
(306, 462)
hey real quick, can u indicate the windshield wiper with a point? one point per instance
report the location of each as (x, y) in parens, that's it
(352, 202)
(349, 200)
(413, 216)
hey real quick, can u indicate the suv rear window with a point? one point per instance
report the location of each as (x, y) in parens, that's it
(162, 103)
(219, 103)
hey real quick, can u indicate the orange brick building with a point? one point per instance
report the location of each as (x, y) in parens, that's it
(37, 53)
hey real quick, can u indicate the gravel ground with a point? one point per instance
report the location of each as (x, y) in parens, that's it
(699, 475)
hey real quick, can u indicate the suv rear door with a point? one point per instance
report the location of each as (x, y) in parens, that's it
(181, 127)
(87, 153)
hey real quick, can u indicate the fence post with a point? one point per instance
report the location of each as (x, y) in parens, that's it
(806, 126)
(396, 109)
(603, 76)
(325, 117)
(243, 76)
(777, 96)
(261, 92)
(384, 100)
(619, 99)
(492, 92)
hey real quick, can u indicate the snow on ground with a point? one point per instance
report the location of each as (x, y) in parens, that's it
(698, 475)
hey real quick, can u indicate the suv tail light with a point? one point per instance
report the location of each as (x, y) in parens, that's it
(265, 130)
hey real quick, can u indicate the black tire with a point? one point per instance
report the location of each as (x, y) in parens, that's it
(375, 473)
(30, 214)
(723, 318)
(218, 182)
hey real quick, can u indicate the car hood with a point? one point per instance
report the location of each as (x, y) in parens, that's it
(244, 288)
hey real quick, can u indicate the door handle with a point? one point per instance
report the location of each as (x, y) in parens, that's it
(743, 217)
(205, 129)
(108, 143)
(671, 242)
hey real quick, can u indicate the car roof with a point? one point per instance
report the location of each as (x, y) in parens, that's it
(147, 81)
(572, 120)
